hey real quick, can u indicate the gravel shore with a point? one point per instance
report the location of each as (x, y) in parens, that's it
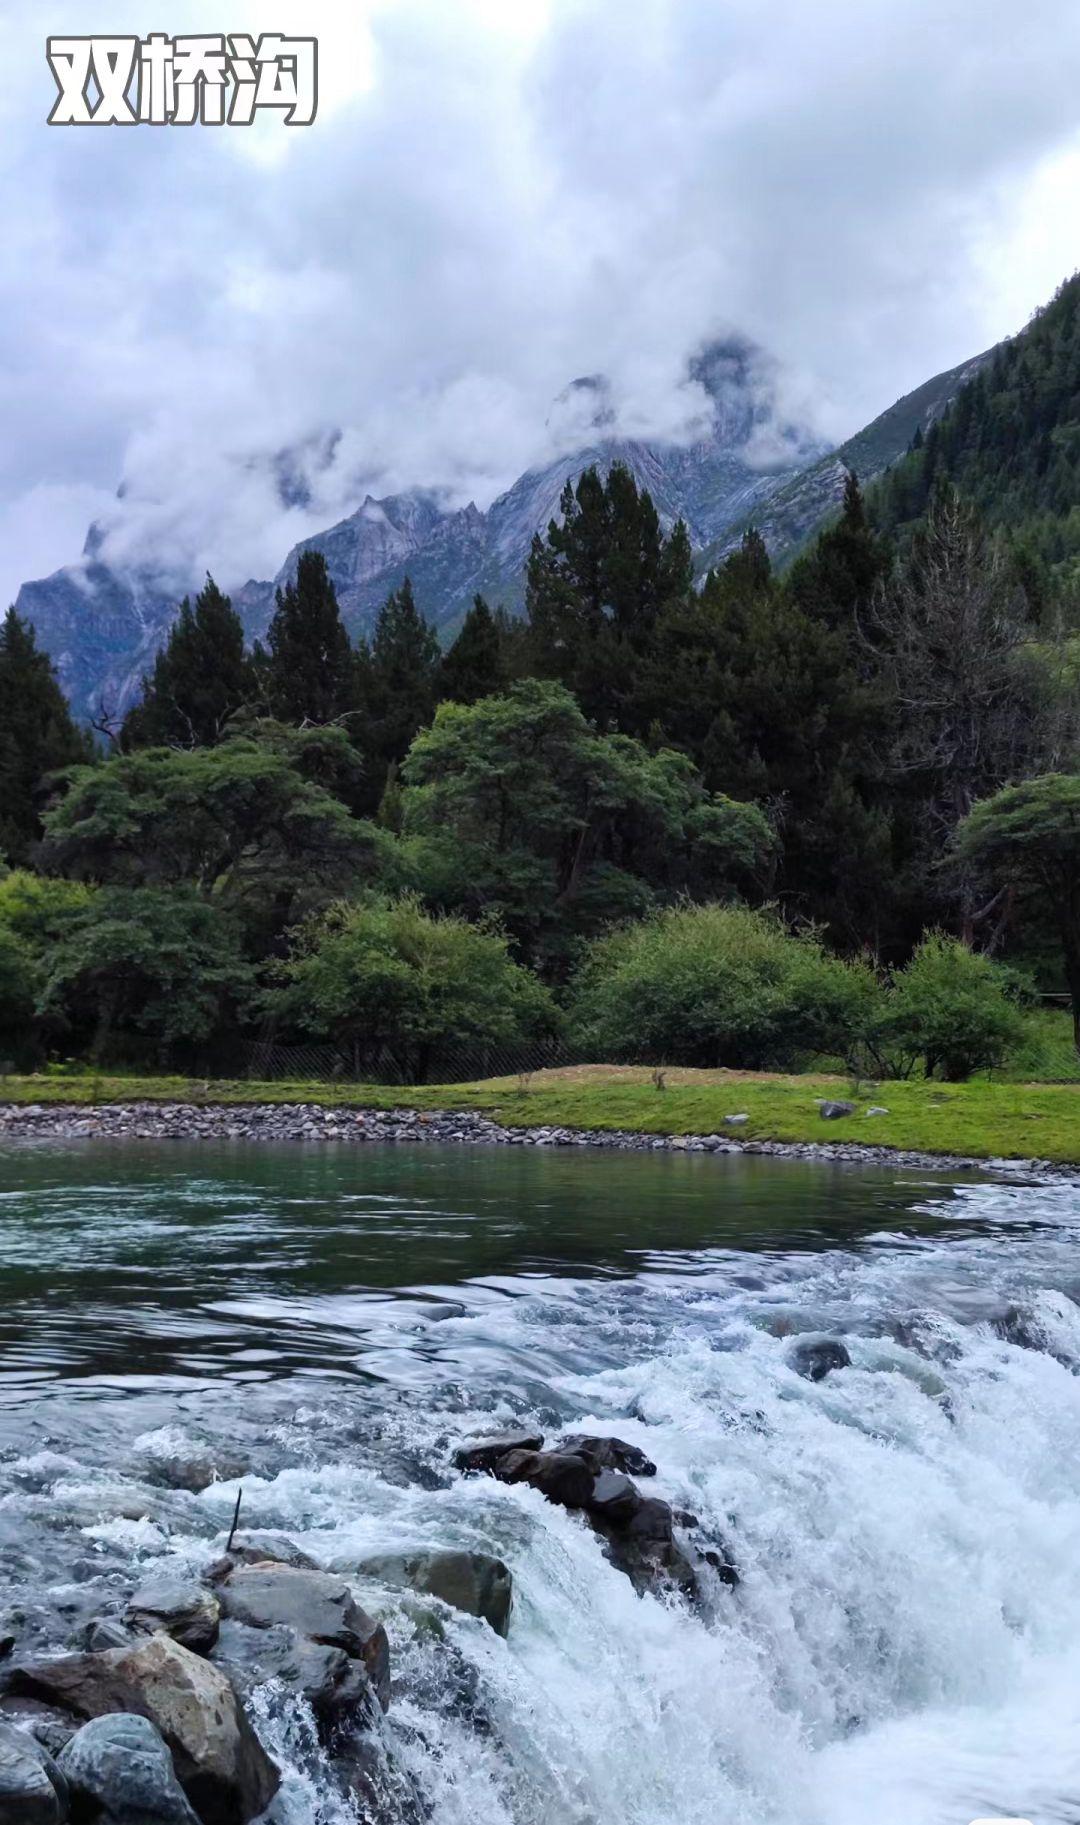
(312, 1122)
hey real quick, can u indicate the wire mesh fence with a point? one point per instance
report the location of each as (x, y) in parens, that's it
(449, 1064)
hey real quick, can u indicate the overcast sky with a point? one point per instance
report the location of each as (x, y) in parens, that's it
(499, 195)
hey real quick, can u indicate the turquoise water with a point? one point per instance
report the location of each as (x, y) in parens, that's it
(319, 1328)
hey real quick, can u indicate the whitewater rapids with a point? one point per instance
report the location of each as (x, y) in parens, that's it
(904, 1643)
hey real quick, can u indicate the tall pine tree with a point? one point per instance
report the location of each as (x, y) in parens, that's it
(398, 685)
(595, 586)
(310, 668)
(37, 736)
(474, 666)
(200, 678)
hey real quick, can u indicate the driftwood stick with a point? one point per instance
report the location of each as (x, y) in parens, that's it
(235, 1520)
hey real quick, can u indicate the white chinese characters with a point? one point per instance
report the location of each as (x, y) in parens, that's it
(209, 80)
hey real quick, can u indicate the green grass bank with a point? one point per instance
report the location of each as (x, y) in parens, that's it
(985, 1120)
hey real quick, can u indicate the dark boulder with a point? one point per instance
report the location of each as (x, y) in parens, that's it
(609, 1454)
(319, 1605)
(815, 1357)
(564, 1479)
(831, 1112)
(187, 1612)
(219, 1761)
(482, 1454)
(474, 1583)
(119, 1765)
(33, 1790)
(614, 1498)
(645, 1548)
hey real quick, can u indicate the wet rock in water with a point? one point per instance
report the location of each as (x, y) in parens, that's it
(256, 1548)
(482, 1454)
(831, 1112)
(106, 1632)
(645, 1548)
(564, 1479)
(614, 1498)
(119, 1765)
(815, 1357)
(1017, 1327)
(49, 1726)
(319, 1605)
(609, 1454)
(219, 1761)
(187, 1612)
(722, 1564)
(333, 1684)
(474, 1583)
(195, 1469)
(33, 1791)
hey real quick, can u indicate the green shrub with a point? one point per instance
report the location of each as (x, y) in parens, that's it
(718, 986)
(951, 1009)
(389, 973)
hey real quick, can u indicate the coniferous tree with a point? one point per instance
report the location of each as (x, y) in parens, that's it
(310, 669)
(200, 678)
(838, 578)
(473, 667)
(37, 735)
(595, 585)
(398, 682)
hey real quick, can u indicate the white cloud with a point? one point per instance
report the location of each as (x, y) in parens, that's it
(495, 198)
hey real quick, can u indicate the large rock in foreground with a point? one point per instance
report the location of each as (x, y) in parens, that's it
(318, 1605)
(220, 1763)
(119, 1765)
(33, 1791)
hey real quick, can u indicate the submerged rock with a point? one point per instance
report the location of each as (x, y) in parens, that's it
(120, 1765)
(219, 1761)
(815, 1357)
(609, 1454)
(187, 1612)
(33, 1790)
(482, 1454)
(194, 1468)
(318, 1605)
(645, 1548)
(474, 1583)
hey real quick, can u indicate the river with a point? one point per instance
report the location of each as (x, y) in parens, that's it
(325, 1324)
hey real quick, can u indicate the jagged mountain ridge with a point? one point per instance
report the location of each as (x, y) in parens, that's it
(102, 628)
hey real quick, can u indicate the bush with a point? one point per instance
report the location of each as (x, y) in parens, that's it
(719, 986)
(387, 973)
(952, 1009)
(157, 962)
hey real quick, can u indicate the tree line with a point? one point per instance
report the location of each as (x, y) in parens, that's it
(571, 819)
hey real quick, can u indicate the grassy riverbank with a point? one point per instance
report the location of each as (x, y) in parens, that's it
(1018, 1121)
